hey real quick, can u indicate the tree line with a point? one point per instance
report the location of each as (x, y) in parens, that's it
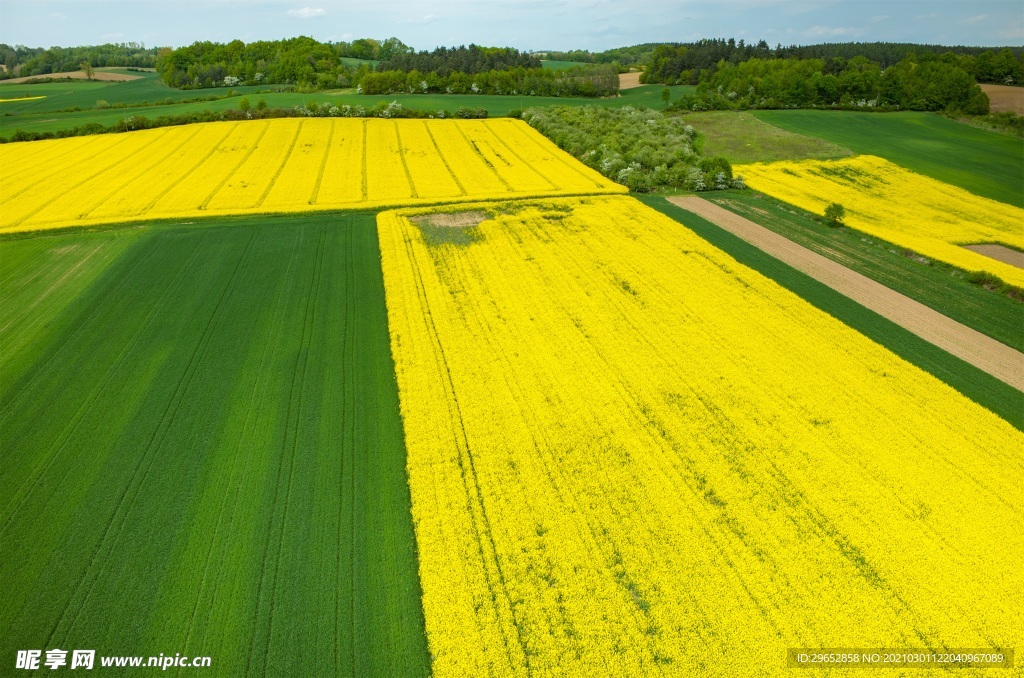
(693, 63)
(590, 81)
(24, 61)
(919, 83)
(472, 59)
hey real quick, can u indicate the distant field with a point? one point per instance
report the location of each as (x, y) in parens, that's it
(889, 202)
(743, 138)
(984, 163)
(281, 165)
(645, 95)
(203, 449)
(101, 75)
(85, 95)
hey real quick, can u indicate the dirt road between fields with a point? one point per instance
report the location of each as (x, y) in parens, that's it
(1005, 98)
(987, 354)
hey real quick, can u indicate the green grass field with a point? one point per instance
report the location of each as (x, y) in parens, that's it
(647, 95)
(741, 138)
(984, 163)
(84, 94)
(979, 386)
(203, 451)
(936, 285)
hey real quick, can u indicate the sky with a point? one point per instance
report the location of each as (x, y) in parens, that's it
(531, 25)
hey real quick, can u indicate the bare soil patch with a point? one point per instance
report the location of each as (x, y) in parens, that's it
(987, 354)
(629, 80)
(1001, 253)
(1005, 98)
(75, 75)
(451, 219)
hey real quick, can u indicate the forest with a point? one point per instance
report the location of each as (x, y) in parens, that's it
(37, 61)
(588, 81)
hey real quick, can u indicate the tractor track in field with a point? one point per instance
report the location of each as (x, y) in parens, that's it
(989, 355)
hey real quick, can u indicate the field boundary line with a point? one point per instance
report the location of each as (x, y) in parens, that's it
(447, 165)
(405, 165)
(315, 193)
(362, 163)
(987, 354)
(280, 168)
(234, 170)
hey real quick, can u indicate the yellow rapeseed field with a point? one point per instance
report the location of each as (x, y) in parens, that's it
(630, 455)
(284, 165)
(927, 216)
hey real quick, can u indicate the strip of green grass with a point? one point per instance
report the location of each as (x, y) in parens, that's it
(936, 285)
(982, 162)
(984, 389)
(741, 138)
(202, 449)
(647, 95)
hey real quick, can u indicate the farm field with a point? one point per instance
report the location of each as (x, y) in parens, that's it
(496, 106)
(84, 94)
(281, 165)
(209, 454)
(889, 202)
(982, 162)
(742, 138)
(622, 462)
(938, 286)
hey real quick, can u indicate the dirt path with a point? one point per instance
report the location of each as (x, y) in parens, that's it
(1005, 98)
(629, 80)
(987, 354)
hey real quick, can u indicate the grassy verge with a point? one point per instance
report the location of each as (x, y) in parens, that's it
(206, 453)
(985, 163)
(980, 387)
(741, 138)
(940, 286)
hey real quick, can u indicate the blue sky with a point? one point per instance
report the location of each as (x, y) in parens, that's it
(525, 24)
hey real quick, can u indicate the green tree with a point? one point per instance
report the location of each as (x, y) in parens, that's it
(87, 69)
(243, 104)
(666, 95)
(835, 213)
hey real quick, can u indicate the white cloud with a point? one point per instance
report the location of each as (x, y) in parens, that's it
(922, 17)
(57, 16)
(109, 37)
(975, 19)
(880, 17)
(306, 12)
(825, 31)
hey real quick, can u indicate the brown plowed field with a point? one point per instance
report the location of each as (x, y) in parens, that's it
(629, 80)
(1005, 98)
(987, 354)
(76, 75)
